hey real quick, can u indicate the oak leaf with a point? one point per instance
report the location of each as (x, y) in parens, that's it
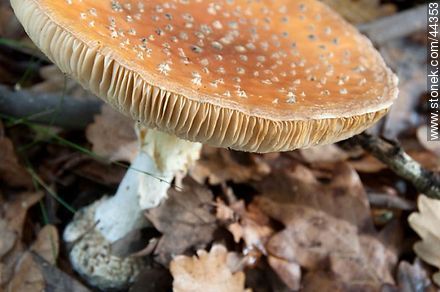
(426, 223)
(184, 219)
(206, 272)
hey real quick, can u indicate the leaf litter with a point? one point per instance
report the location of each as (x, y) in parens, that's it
(303, 220)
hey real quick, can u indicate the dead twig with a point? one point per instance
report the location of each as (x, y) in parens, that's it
(402, 164)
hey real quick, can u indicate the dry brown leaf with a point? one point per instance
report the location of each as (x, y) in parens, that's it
(360, 11)
(289, 272)
(9, 25)
(47, 244)
(113, 136)
(324, 154)
(110, 175)
(219, 165)
(427, 225)
(367, 164)
(206, 272)
(27, 275)
(184, 219)
(313, 239)
(372, 265)
(300, 186)
(427, 159)
(326, 281)
(11, 172)
(13, 213)
(248, 223)
(311, 235)
(7, 238)
(55, 279)
(413, 277)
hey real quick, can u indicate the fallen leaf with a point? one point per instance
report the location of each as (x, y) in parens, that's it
(300, 186)
(219, 165)
(372, 265)
(367, 164)
(27, 275)
(47, 244)
(7, 238)
(113, 136)
(102, 173)
(55, 279)
(326, 281)
(413, 277)
(289, 272)
(13, 212)
(248, 223)
(427, 159)
(316, 239)
(330, 153)
(310, 234)
(184, 219)
(426, 223)
(11, 172)
(9, 25)
(360, 11)
(206, 272)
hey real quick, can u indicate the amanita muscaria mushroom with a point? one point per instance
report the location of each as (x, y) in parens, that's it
(256, 76)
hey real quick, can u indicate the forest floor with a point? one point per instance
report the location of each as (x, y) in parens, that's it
(330, 218)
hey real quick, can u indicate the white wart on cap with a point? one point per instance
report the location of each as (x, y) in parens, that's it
(256, 76)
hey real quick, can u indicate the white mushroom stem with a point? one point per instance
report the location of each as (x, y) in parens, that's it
(96, 227)
(145, 184)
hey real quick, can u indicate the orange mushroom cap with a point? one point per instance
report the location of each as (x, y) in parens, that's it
(251, 75)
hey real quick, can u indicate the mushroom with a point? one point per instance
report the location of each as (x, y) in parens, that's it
(259, 76)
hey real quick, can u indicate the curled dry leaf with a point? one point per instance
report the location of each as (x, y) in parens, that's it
(368, 164)
(219, 165)
(56, 280)
(113, 136)
(247, 223)
(28, 276)
(184, 219)
(11, 172)
(413, 277)
(318, 241)
(7, 238)
(206, 272)
(13, 215)
(427, 225)
(300, 186)
(289, 272)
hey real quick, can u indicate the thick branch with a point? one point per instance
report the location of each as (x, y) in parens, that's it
(51, 109)
(402, 164)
